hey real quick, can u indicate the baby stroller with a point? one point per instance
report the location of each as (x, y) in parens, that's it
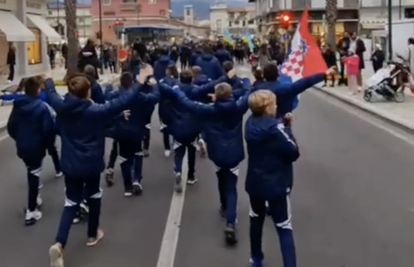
(9, 94)
(389, 83)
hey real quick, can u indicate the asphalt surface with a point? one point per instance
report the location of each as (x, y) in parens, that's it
(353, 204)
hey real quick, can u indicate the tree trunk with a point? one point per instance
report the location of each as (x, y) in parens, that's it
(331, 16)
(71, 34)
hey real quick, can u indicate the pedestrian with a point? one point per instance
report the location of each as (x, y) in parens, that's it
(209, 64)
(377, 58)
(330, 60)
(11, 62)
(271, 149)
(165, 106)
(97, 94)
(31, 125)
(223, 130)
(82, 126)
(352, 68)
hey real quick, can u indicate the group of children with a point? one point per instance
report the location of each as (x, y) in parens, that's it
(190, 104)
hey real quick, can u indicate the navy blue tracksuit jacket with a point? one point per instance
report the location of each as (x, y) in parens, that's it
(83, 126)
(31, 125)
(271, 149)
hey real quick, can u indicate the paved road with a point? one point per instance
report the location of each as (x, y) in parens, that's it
(352, 201)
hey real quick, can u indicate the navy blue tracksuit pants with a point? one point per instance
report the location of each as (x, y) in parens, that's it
(227, 185)
(280, 210)
(76, 189)
(179, 151)
(131, 158)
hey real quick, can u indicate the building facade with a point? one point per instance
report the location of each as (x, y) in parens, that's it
(141, 12)
(268, 14)
(374, 14)
(23, 23)
(56, 18)
(233, 20)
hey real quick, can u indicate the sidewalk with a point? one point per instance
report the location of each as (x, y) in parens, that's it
(400, 114)
(58, 73)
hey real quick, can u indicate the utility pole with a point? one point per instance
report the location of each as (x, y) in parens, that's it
(390, 30)
(100, 36)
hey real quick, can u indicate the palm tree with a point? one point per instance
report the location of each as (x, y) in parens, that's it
(71, 34)
(331, 17)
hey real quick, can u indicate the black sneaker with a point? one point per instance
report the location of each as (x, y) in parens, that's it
(191, 180)
(78, 218)
(109, 177)
(178, 183)
(137, 188)
(146, 153)
(230, 234)
(223, 212)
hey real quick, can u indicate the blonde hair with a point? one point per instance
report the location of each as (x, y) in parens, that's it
(223, 90)
(262, 102)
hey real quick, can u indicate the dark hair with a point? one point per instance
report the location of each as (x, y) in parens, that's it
(258, 74)
(89, 71)
(186, 77)
(164, 51)
(126, 80)
(270, 72)
(220, 45)
(172, 70)
(410, 40)
(227, 66)
(32, 86)
(207, 49)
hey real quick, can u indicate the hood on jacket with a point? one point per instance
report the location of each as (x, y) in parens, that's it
(74, 105)
(259, 128)
(226, 105)
(165, 60)
(201, 79)
(207, 57)
(27, 103)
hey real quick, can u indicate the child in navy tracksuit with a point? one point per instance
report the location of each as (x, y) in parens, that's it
(185, 125)
(224, 136)
(31, 125)
(130, 131)
(82, 125)
(271, 149)
(165, 107)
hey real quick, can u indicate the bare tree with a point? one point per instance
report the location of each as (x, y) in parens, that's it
(331, 17)
(71, 34)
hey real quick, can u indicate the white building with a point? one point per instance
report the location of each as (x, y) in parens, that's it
(374, 13)
(23, 23)
(233, 20)
(56, 16)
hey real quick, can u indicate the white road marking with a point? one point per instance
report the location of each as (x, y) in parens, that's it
(367, 118)
(169, 242)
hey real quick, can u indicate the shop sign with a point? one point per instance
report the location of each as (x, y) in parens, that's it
(36, 7)
(8, 4)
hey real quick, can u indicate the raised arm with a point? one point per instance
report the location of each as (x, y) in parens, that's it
(53, 98)
(196, 107)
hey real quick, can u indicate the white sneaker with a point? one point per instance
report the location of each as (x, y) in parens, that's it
(31, 217)
(127, 194)
(56, 256)
(167, 153)
(59, 175)
(137, 188)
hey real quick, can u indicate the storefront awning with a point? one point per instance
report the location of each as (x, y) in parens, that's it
(46, 29)
(14, 30)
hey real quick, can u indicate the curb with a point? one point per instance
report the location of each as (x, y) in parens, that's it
(371, 110)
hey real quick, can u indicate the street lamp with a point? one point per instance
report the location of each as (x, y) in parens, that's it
(100, 35)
